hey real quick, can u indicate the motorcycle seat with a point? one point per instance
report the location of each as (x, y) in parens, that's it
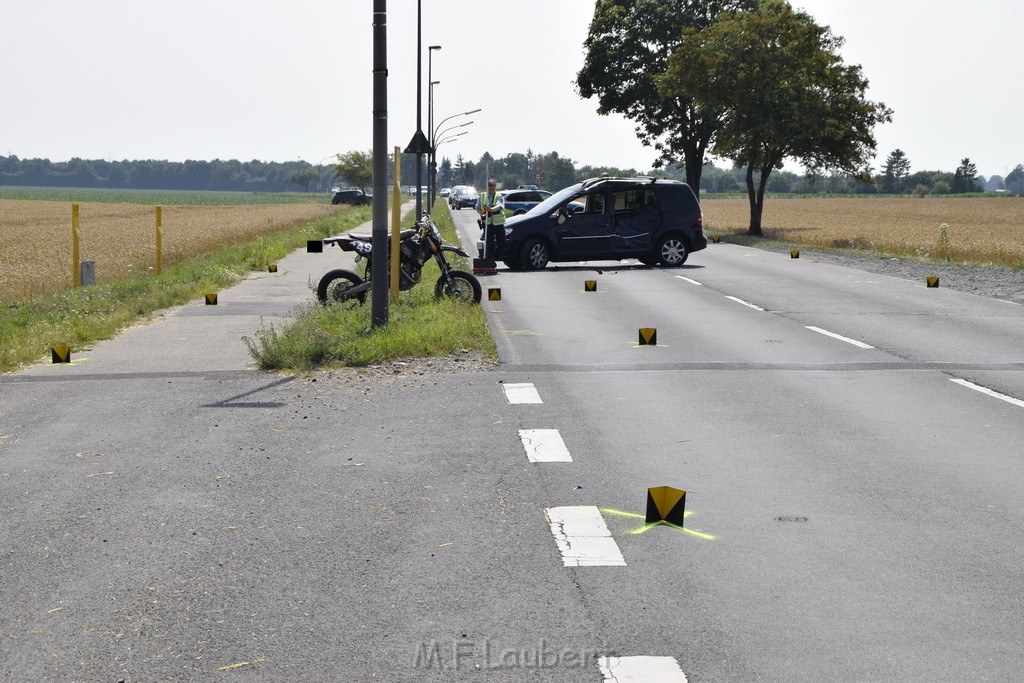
(403, 235)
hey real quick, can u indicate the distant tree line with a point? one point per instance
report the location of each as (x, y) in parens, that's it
(151, 174)
(550, 170)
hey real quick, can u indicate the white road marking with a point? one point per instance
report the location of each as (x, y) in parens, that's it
(521, 393)
(544, 445)
(745, 303)
(840, 337)
(583, 537)
(692, 282)
(985, 390)
(641, 669)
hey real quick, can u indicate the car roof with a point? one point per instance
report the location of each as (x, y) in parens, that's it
(635, 180)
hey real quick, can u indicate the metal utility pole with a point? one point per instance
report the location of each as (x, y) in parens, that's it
(419, 107)
(419, 144)
(379, 239)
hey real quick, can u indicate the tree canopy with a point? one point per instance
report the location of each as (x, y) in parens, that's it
(355, 168)
(628, 45)
(784, 93)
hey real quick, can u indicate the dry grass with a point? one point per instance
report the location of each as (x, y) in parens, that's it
(982, 230)
(35, 237)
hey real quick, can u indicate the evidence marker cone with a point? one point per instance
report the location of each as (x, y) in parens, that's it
(494, 293)
(648, 336)
(211, 299)
(933, 280)
(666, 504)
(61, 354)
(590, 285)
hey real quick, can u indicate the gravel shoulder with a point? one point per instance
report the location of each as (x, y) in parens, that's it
(996, 283)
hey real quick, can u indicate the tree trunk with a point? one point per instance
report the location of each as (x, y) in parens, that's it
(693, 159)
(756, 197)
(756, 203)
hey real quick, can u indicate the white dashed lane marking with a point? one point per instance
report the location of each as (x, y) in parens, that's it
(989, 392)
(544, 445)
(745, 303)
(521, 393)
(641, 669)
(583, 538)
(692, 282)
(839, 337)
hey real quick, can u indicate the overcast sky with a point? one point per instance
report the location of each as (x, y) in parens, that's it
(280, 81)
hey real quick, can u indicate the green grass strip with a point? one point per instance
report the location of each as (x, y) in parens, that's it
(418, 326)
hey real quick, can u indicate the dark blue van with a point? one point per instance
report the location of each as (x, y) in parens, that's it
(654, 221)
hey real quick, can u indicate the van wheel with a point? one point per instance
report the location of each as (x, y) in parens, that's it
(535, 254)
(672, 251)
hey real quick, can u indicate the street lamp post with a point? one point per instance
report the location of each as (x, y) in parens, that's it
(431, 163)
(434, 136)
(430, 124)
(320, 173)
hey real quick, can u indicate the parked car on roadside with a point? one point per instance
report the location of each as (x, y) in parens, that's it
(354, 197)
(654, 221)
(445, 192)
(518, 202)
(463, 196)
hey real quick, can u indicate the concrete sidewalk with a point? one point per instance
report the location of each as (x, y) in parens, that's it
(197, 337)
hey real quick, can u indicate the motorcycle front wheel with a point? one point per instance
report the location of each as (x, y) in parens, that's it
(333, 287)
(459, 285)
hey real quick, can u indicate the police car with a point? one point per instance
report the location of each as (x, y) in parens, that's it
(519, 201)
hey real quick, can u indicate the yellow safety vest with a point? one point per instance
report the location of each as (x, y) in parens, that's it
(496, 219)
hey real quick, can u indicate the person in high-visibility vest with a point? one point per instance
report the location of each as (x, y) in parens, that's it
(491, 207)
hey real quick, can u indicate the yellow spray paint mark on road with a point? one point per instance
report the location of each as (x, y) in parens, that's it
(647, 527)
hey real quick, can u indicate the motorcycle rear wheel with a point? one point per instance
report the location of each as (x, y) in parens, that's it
(333, 286)
(463, 286)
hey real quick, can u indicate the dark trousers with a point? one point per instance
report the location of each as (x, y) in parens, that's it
(494, 241)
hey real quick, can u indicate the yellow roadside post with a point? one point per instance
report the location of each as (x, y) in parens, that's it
(395, 225)
(76, 275)
(159, 240)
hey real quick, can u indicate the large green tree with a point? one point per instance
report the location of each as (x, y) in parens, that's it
(965, 178)
(784, 91)
(897, 167)
(628, 45)
(355, 168)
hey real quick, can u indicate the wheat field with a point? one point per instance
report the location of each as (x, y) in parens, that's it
(36, 237)
(979, 229)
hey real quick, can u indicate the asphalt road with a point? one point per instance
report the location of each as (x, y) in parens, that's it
(169, 513)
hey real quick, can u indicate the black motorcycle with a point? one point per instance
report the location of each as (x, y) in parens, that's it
(417, 246)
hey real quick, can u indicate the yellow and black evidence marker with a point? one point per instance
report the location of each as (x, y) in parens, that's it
(61, 354)
(590, 285)
(272, 268)
(666, 504)
(716, 239)
(494, 293)
(211, 299)
(933, 280)
(648, 336)
(795, 253)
